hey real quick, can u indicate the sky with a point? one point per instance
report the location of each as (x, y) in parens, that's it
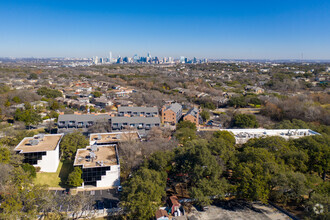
(231, 29)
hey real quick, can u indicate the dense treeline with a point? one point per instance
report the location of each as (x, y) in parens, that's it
(49, 93)
(266, 169)
(301, 107)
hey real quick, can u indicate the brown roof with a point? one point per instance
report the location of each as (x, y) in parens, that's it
(47, 143)
(174, 201)
(114, 137)
(161, 213)
(104, 154)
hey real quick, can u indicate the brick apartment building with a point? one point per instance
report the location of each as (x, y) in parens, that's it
(192, 116)
(171, 114)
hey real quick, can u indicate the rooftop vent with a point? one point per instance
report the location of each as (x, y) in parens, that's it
(92, 155)
(34, 142)
(94, 148)
(100, 163)
(39, 136)
(99, 137)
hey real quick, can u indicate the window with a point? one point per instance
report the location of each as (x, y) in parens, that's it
(32, 158)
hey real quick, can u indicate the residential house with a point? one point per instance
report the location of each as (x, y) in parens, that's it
(102, 102)
(122, 102)
(161, 215)
(174, 205)
(254, 89)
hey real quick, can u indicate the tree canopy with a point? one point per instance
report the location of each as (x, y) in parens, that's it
(74, 178)
(245, 121)
(49, 93)
(71, 142)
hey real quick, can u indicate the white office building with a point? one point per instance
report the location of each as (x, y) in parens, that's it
(42, 151)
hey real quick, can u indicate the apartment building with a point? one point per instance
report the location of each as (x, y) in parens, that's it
(130, 111)
(172, 113)
(119, 123)
(80, 121)
(192, 116)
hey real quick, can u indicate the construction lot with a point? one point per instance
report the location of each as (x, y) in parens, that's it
(237, 210)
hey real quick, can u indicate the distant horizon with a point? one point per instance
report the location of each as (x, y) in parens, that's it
(256, 29)
(177, 58)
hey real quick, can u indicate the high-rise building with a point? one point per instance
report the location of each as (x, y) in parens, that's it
(182, 59)
(135, 58)
(96, 60)
(110, 57)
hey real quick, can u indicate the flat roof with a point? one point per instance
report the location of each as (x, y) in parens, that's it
(104, 138)
(240, 133)
(49, 142)
(243, 135)
(104, 156)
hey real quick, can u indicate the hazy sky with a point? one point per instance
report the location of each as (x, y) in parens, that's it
(268, 29)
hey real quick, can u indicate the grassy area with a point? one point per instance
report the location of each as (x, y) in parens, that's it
(57, 179)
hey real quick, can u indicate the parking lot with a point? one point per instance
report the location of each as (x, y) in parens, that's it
(238, 211)
(103, 198)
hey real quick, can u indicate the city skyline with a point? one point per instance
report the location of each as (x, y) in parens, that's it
(213, 30)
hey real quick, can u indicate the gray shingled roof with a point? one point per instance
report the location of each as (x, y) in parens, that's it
(176, 107)
(193, 111)
(137, 109)
(135, 120)
(86, 117)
